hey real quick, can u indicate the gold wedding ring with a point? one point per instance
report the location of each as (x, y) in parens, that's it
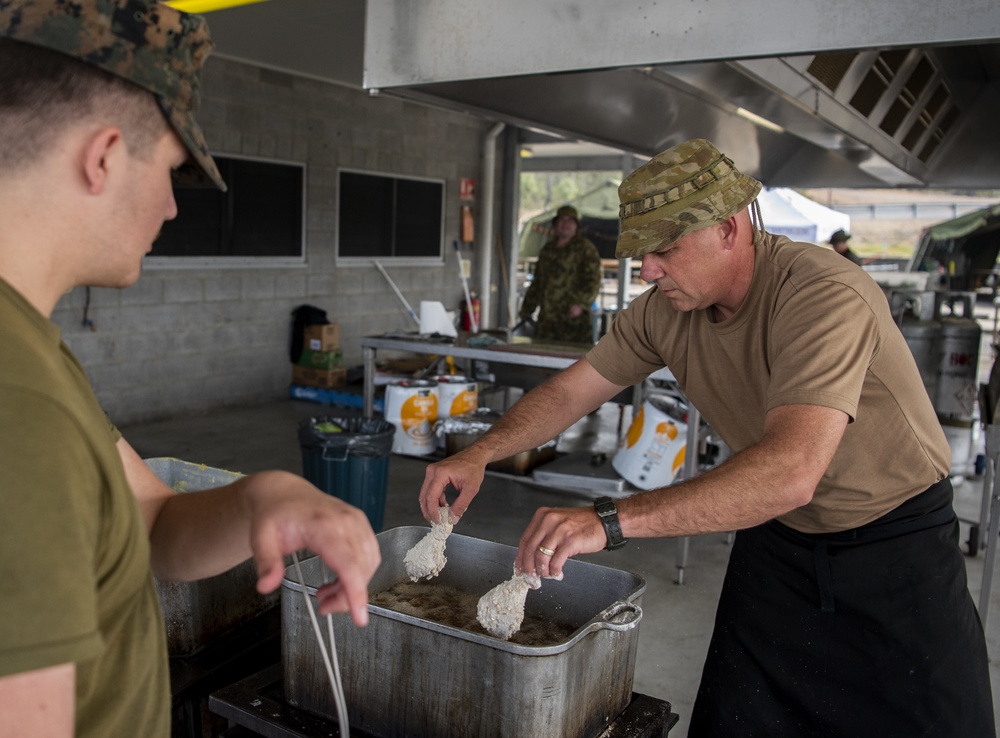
(546, 551)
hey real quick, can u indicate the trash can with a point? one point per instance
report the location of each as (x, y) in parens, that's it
(349, 459)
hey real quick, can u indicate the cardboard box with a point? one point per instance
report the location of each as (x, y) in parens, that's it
(321, 337)
(323, 378)
(321, 359)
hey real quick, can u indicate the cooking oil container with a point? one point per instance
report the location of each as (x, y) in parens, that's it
(412, 406)
(653, 450)
(456, 395)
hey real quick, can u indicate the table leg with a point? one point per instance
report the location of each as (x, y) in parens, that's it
(690, 470)
(990, 531)
(368, 357)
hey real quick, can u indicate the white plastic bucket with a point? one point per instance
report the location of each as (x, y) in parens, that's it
(411, 406)
(652, 452)
(456, 395)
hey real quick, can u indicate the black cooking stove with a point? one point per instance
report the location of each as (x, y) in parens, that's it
(255, 708)
(235, 655)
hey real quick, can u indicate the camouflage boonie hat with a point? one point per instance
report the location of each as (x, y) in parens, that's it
(688, 187)
(147, 43)
(566, 211)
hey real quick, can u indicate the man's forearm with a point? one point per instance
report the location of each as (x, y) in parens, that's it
(767, 479)
(201, 534)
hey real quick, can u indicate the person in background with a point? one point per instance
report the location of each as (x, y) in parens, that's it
(845, 608)
(97, 104)
(838, 241)
(565, 284)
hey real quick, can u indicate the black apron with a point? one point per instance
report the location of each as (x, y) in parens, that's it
(867, 632)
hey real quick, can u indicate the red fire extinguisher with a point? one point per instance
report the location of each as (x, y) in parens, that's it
(466, 318)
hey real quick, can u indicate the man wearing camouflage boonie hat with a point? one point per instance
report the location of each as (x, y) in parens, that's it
(97, 104)
(678, 192)
(845, 604)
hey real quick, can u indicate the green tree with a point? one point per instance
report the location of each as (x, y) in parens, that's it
(542, 191)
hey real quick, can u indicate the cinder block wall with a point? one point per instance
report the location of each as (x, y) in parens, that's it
(183, 340)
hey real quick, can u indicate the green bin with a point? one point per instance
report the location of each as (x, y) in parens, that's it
(349, 459)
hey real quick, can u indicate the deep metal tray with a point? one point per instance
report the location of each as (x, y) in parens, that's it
(196, 613)
(404, 675)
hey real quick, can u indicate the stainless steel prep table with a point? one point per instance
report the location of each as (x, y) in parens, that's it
(427, 347)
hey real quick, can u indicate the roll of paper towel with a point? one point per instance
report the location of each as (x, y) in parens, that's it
(434, 319)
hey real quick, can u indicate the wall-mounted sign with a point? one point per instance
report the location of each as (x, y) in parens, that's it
(466, 188)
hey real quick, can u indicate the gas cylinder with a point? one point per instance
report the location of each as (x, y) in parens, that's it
(958, 367)
(923, 337)
(957, 380)
(915, 312)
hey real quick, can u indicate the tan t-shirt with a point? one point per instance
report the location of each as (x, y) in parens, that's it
(814, 329)
(75, 580)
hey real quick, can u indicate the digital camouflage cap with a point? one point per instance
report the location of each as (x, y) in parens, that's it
(566, 211)
(687, 187)
(152, 45)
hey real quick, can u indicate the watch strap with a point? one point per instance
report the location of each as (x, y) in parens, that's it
(607, 513)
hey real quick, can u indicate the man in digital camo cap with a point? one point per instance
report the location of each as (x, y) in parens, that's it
(97, 104)
(845, 573)
(565, 283)
(149, 44)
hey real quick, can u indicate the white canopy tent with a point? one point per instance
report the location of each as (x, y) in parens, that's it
(787, 213)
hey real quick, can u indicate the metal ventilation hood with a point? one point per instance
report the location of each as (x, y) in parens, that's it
(774, 116)
(847, 115)
(844, 93)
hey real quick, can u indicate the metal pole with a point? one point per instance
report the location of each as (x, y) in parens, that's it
(690, 470)
(486, 233)
(992, 453)
(368, 357)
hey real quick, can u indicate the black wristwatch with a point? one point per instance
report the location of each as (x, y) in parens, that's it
(608, 514)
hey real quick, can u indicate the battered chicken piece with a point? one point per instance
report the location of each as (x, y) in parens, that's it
(426, 559)
(501, 610)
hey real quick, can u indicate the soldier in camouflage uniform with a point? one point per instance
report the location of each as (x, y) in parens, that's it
(845, 609)
(565, 283)
(97, 103)
(838, 241)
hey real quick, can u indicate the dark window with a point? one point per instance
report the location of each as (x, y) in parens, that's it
(259, 216)
(382, 216)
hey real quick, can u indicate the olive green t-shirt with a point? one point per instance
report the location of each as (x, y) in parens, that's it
(814, 329)
(75, 579)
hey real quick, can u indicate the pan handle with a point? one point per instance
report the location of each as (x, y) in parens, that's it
(633, 615)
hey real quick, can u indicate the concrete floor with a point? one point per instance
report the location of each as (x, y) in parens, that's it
(677, 619)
